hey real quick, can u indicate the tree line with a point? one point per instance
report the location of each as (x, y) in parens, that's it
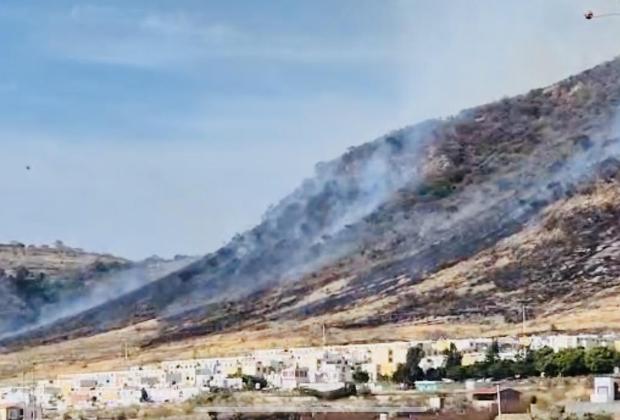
(528, 363)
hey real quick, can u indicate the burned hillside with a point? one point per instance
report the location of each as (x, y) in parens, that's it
(392, 217)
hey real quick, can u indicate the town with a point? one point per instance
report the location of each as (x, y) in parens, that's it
(319, 371)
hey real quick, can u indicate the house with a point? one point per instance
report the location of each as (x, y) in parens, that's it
(91, 380)
(508, 355)
(605, 389)
(486, 398)
(165, 395)
(130, 395)
(175, 365)
(303, 357)
(21, 411)
(588, 341)
(224, 382)
(387, 356)
(80, 399)
(370, 369)
(49, 395)
(463, 345)
(147, 377)
(432, 362)
(471, 358)
(563, 341)
(203, 377)
(292, 377)
(228, 365)
(180, 373)
(14, 395)
(333, 368)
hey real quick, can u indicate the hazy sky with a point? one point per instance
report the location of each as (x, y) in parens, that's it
(164, 127)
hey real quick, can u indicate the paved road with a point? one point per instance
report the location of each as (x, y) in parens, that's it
(340, 408)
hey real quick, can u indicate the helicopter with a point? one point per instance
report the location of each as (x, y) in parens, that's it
(589, 15)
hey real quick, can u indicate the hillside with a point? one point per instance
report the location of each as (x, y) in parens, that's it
(38, 283)
(51, 261)
(456, 220)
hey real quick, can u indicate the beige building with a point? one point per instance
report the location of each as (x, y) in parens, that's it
(387, 356)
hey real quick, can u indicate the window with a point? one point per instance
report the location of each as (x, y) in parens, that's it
(14, 414)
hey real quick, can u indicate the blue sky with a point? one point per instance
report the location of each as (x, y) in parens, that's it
(164, 127)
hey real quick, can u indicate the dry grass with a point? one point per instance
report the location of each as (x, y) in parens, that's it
(601, 311)
(104, 352)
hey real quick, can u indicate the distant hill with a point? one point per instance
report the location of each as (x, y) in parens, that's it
(36, 282)
(51, 261)
(467, 218)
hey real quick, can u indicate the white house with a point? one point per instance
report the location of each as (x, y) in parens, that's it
(605, 389)
(223, 381)
(333, 370)
(148, 378)
(164, 395)
(432, 362)
(293, 377)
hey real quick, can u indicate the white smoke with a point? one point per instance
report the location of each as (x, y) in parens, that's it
(108, 287)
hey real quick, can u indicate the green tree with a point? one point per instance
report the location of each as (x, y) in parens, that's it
(410, 372)
(492, 354)
(600, 360)
(250, 381)
(453, 357)
(571, 362)
(433, 374)
(400, 374)
(501, 369)
(544, 361)
(414, 357)
(458, 373)
(478, 370)
(524, 365)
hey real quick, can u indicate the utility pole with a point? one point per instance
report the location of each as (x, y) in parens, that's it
(499, 403)
(33, 396)
(324, 336)
(523, 325)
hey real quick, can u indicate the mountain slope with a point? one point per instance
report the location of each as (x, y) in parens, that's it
(42, 283)
(33, 276)
(390, 216)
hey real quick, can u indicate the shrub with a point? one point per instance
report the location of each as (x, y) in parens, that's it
(600, 360)
(361, 376)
